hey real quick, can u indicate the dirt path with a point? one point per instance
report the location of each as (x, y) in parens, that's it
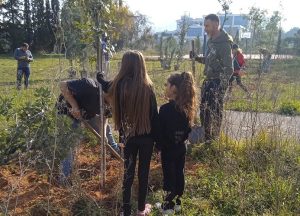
(244, 124)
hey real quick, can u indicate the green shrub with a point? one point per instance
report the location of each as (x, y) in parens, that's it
(290, 108)
(38, 131)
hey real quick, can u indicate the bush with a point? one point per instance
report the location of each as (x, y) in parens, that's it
(38, 132)
(259, 177)
(290, 108)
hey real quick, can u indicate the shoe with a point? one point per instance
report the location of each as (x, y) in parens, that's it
(177, 207)
(168, 212)
(146, 212)
(158, 205)
(167, 208)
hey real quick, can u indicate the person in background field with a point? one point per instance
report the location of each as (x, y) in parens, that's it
(24, 57)
(267, 60)
(238, 65)
(107, 53)
(218, 70)
(135, 116)
(176, 119)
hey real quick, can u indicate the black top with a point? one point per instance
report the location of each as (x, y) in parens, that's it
(86, 93)
(174, 126)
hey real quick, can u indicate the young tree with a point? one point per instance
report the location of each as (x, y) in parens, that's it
(272, 29)
(141, 34)
(257, 18)
(225, 8)
(183, 28)
(198, 45)
(70, 20)
(170, 47)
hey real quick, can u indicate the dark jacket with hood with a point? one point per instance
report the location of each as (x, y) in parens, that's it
(218, 58)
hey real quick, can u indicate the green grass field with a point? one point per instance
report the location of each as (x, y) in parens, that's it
(259, 176)
(273, 92)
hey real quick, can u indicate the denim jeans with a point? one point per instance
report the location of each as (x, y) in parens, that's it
(94, 122)
(66, 164)
(24, 71)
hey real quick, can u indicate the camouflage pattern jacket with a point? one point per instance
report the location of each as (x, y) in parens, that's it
(218, 58)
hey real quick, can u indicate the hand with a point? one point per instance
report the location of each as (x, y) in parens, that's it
(121, 145)
(192, 55)
(99, 76)
(75, 113)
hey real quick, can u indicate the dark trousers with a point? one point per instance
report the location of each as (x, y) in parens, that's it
(238, 79)
(211, 107)
(173, 173)
(142, 146)
(24, 71)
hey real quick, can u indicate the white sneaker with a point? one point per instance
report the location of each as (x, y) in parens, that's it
(158, 205)
(177, 208)
(168, 212)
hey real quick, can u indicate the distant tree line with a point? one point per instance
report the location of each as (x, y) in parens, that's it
(58, 26)
(31, 21)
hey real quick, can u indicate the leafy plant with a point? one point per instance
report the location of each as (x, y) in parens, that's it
(38, 131)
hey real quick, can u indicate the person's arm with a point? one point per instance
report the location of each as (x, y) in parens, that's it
(199, 59)
(162, 129)
(104, 84)
(75, 111)
(18, 56)
(30, 58)
(155, 124)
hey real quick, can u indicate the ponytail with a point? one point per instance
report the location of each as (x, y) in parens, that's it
(186, 94)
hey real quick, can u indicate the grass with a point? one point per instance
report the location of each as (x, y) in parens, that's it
(261, 178)
(270, 92)
(257, 176)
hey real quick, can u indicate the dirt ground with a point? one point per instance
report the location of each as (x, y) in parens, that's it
(25, 191)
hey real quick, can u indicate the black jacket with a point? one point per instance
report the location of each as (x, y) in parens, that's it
(174, 128)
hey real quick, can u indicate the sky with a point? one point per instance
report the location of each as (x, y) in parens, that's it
(164, 13)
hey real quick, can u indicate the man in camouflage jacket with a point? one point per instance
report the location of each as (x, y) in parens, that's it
(218, 70)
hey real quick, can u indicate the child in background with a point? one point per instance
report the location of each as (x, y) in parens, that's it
(238, 65)
(176, 118)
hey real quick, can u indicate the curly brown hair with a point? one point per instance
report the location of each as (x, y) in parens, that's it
(185, 94)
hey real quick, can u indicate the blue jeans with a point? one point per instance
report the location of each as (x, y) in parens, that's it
(66, 164)
(94, 122)
(24, 71)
